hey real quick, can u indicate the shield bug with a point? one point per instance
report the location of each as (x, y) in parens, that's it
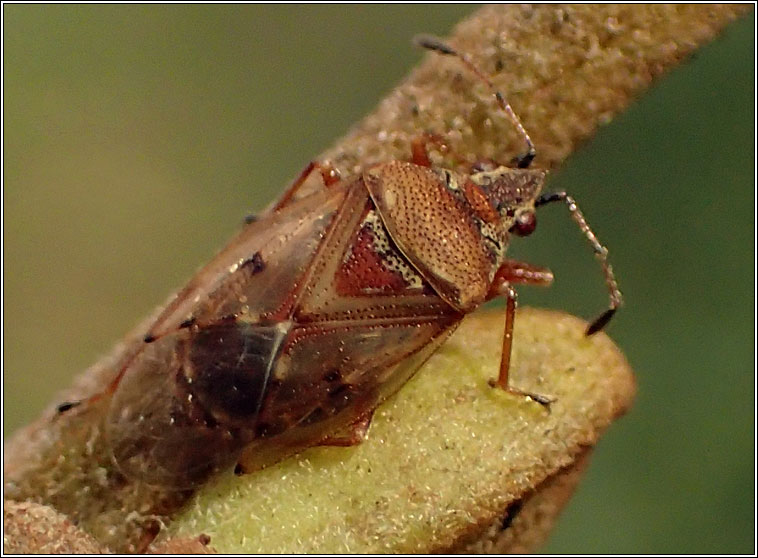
(323, 307)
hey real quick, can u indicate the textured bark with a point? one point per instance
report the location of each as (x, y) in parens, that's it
(566, 70)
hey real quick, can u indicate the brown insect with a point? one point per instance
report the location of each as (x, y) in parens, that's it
(323, 307)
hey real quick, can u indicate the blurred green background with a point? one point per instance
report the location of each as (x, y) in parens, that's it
(137, 138)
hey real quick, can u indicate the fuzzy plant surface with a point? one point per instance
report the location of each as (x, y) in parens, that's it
(450, 463)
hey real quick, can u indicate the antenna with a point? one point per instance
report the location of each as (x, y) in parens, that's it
(437, 45)
(601, 253)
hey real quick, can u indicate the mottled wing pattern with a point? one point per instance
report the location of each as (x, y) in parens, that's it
(233, 284)
(308, 320)
(337, 404)
(184, 404)
(363, 310)
(152, 435)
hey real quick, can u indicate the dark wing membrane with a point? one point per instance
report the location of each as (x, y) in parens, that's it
(187, 404)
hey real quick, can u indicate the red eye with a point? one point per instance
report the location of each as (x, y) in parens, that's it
(525, 223)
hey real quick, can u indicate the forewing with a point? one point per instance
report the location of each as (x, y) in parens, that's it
(359, 272)
(258, 272)
(341, 370)
(188, 403)
(151, 434)
(330, 378)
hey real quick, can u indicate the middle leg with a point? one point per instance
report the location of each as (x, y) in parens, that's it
(514, 272)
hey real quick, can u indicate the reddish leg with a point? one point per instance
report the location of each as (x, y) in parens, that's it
(520, 273)
(329, 174)
(355, 434)
(419, 152)
(149, 338)
(92, 399)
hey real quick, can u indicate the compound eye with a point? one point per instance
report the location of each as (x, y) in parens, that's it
(525, 223)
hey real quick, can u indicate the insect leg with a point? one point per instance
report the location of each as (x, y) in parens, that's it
(257, 456)
(522, 273)
(512, 271)
(505, 358)
(92, 399)
(601, 253)
(354, 435)
(329, 174)
(419, 152)
(433, 43)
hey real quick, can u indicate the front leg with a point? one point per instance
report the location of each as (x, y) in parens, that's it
(329, 174)
(420, 151)
(511, 272)
(354, 434)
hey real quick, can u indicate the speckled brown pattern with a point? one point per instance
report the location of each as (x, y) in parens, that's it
(565, 69)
